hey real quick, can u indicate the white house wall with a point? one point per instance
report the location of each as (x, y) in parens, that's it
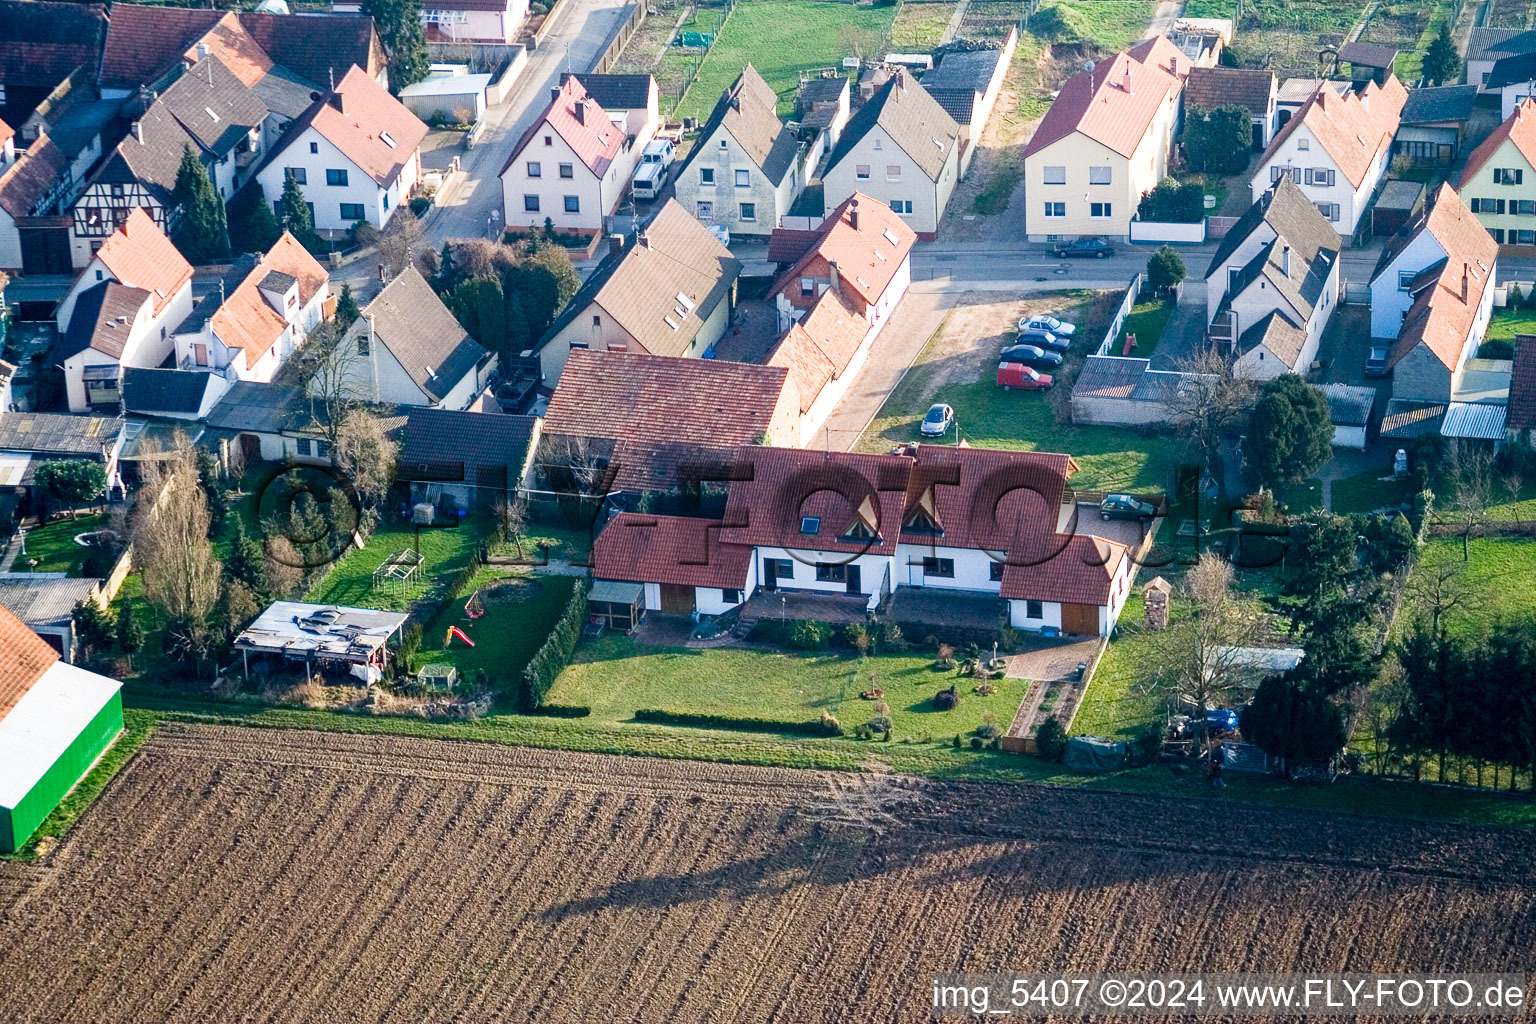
(1389, 303)
(872, 569)
(1351, 201)
(378, 204)
(596, 197)
(10, 243)
(876, 149)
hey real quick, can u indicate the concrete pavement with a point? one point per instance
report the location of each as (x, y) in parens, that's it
(474, 208)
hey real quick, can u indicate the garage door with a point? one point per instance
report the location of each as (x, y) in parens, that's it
(1082, 619)
(676, 599)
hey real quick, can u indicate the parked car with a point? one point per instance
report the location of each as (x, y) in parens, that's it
(1043, 339)
(936, 423)
(1376, 362)
(1125, 506)
(655, 163)
(1046, 322)
(1024, 378)
(1030, 355)
(1083, 248)
(1221, 719)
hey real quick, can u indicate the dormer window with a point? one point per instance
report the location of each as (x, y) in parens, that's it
(859, 531)
(810, 525)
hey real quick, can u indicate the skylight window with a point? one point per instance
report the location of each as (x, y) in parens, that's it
(670, 322)
(810, 525)
(211, 113)
(684, 301)
(890, 236)
(388, 139)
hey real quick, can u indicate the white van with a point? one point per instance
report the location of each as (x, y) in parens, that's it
(655, 163)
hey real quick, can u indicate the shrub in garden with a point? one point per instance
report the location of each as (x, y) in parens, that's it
(946, 699)
(975, 742)
(864, 732)
(1050, 740)
(956, 743)
(856, 636)
(880, 723)
(892, 639)
(830, 726)
(810, 635)
(1147, 745)
(989, 729)
(946, 658)
(554, 655)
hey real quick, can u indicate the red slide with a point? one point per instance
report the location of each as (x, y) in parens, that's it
(455, 631)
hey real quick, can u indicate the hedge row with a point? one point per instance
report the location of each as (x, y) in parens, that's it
(555, 654)
(565, 710)
(815, 727)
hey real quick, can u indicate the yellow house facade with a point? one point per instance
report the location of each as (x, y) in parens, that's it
(1499, 183)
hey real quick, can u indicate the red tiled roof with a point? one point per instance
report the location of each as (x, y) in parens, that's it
(24, 658)
(28, 179)
(238, 49)
(662, 408)
(819, 347)
(773, 489)
(1522, 385)
(1352, 128)
(1075, 570)
(290, 257)
(1115, 103)
(1519, 128)
(144, 41)
(981, 498)
(668, 549)
(787, 245)
(139, 255)
(867, 259)
(41, 44)
(356, 117)
(1440, 317)
(582, 123)
(6, 132)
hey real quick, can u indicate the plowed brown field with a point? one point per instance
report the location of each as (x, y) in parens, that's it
(254, 875)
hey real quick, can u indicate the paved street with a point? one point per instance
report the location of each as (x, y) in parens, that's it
(474, 206)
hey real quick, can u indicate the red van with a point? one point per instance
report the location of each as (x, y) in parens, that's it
(1025, 378)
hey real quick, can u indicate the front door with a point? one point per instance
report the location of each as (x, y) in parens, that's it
(770, 574)
(853, 580)
(1082, 619)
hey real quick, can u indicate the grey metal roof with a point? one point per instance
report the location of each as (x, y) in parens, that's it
(1440, 103)
(614, 92)
(51, 433)
(43, 599)
(1493, 43)
(150, 391)
(1404, 418)
(489, 448)
(1474, 420)
(262, 408)
(1400, 194)
(1348, 405)
(1512, 70)
(1368, 55)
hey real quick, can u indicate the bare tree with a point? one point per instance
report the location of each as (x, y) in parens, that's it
(1439, 588)
(170, 537)
(512, 520)
(364, 453)
(402, 242)
(1472, 476)
(1209, 398)
(332, 375)
(573, 465)
(1199, 656)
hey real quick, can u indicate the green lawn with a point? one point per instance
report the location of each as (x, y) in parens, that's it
(781, 39)
(998, 191)
(1366, 492)
(1506, 323)
(1113, 24)
(919, 26)
(1498, 579)
(54, 546)
(615, 677)
(1110, 458)
(1300, 498)
(447, 551)
(507, 636)
(1118, 704)
(1210, 8)
(1147, 321)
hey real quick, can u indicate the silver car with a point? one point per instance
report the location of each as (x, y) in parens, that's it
(936, 423)
(1048, 323)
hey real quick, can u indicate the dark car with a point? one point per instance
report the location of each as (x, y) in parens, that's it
(1125, 506)
(1030, 355)
(1043, 339)
(1376, 362)
(1083, 248)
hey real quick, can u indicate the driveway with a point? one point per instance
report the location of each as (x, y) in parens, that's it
(894, 349)
(1051, 661)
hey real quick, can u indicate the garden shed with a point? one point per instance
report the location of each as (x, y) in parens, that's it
(616, 605)
(55, 721)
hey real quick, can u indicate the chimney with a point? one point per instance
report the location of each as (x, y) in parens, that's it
(581, 111)
(138, 131)
(643, 240)
(339, 102)
(1285, 261)
(616, 244)
(837, 281)
(554, 93)
(1173, 65)
(1125, 81)
(853, 215)
(202, 50)
(736, 102)
(1466, 273)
